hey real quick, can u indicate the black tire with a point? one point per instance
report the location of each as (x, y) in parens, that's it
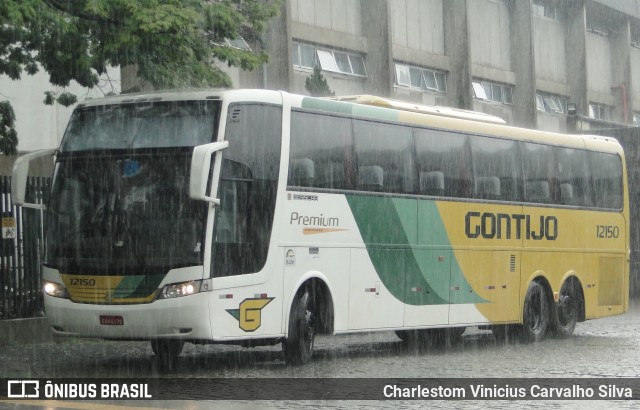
(403, 335)
(565, 315)
(417, 339)
(298, 346)
(167, 352)
(535, 320)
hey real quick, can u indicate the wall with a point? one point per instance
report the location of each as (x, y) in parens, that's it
(489, 27)
(635, 76)
(549, 49)
(631, 7)
(337, 15)
(41, 126)
(340, 84)
(599, 66)
(551, 122)
(418, 24)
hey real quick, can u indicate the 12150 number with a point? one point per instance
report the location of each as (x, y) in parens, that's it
(607, 231)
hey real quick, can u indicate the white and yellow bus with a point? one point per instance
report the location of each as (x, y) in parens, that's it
(253, 217)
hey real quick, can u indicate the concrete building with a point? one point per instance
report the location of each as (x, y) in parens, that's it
(530, 62)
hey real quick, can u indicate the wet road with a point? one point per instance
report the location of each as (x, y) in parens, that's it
(599, 348)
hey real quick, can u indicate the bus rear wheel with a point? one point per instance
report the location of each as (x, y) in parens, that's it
(565, 315)
(298, 346)
(535, 319)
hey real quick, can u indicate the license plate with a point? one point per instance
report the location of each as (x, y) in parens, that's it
(111, 320)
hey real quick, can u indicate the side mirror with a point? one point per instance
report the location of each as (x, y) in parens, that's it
(19, 178)
(200, 167)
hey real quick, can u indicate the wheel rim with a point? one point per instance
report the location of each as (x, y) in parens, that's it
(535, 311)
(309, 330)
(566, 308)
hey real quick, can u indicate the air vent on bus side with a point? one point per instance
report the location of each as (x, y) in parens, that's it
(512, 263)
(235, 115)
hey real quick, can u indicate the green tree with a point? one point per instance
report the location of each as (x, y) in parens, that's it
(317, 85)
(8, 134)
(173, 43)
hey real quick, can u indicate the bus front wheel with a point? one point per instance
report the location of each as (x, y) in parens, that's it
(167, 351)
(298, 346)
(535, 313)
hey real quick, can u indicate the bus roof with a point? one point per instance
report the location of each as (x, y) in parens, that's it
(420, 108)
(374, 107)
(160, 95)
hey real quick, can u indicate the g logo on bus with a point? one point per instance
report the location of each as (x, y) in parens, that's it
(249, 314)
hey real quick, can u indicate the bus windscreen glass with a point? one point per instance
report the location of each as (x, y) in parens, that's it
(145, 125)
(120, 190)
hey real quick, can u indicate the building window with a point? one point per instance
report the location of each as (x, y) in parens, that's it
(422, 78)
(636, 119)
(551, 103)
(237, 43)
(600, 112)
(308, 56)
(327, 61)
(548, 8)
(478, 91)
(304, 55)
(596, 26)
(490, 91)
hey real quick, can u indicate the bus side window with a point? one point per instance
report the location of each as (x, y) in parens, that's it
(539, 173)
(319, 150)
(301, 172)
(488, 187)
(445, 153)
(248, 186)
(573, 177)
(432, 183)
(370, 178)
(495, 163)
(384, 154)
(537, 191)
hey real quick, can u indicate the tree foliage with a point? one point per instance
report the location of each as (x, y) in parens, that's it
(317, 85)
(8, 134)
(173, 43)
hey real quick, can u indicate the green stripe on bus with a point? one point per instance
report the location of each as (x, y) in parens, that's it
(357, 110)
(136, 286)
(415, 275)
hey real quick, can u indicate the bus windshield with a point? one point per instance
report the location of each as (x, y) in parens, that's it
(144, 125)
(119, 201)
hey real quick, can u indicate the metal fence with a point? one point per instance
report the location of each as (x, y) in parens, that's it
(20, 251)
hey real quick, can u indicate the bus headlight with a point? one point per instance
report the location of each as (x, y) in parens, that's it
(55, 289)
(176, 290)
